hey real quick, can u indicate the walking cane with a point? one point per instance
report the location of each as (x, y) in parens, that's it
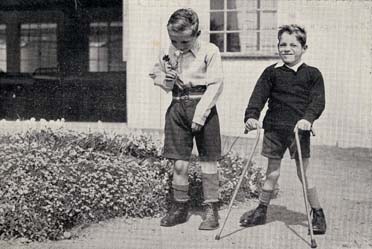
(304, 189)
(218, 236)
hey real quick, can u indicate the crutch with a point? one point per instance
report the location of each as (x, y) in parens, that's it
(218, 236)
(304, 189)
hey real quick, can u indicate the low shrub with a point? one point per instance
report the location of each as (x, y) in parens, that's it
(53, 179)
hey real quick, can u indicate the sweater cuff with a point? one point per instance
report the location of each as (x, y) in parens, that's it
(246, 117)
(309, 118)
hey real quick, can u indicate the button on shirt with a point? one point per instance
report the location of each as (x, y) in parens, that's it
(200, 66)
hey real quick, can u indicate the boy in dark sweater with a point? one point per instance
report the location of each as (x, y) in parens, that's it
(295, 95)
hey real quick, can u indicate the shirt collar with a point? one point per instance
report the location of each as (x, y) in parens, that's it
(194, 49)
(294, 68)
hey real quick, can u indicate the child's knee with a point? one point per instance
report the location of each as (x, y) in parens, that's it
(180, 167)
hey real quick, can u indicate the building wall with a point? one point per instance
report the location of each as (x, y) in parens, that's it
(339, 39)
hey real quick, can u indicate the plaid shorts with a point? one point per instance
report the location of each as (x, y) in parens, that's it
(276, 142)
(178, 141)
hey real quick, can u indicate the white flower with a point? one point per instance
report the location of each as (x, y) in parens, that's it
(177, 53)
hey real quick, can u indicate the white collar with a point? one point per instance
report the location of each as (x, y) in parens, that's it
(194, 49)
(294, 68)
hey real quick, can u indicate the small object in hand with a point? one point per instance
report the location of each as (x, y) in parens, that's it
(166, 58)
(177, 53)
(173, 64)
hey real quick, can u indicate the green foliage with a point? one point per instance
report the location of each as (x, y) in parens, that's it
(53, 179)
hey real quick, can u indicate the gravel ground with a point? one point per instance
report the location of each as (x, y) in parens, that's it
(344, 179)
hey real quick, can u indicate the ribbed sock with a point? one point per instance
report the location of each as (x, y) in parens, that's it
(210, 187)
(180, 192)
(265, 197)
(312, 196)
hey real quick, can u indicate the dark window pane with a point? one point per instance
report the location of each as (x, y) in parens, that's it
(217, 39)
(217, 22)
(38, 45)
(2, 48)
(231, 4)
(233, 42)
(233, 20)
(216, 4)
(98, 43)
(105, 47)
(116, 47)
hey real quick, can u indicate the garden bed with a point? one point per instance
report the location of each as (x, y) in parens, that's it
(52, 179)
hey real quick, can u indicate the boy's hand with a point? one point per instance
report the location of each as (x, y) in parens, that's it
(251, 124)
(171, 75)
(303, 124)
(195, 127)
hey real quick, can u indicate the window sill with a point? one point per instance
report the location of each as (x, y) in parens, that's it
(231, 56)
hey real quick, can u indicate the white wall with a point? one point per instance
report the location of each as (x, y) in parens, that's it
(339, 39)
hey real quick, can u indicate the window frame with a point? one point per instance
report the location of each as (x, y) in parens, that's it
(109, 27)
(256, 55)
(109, 15)
(40, 33)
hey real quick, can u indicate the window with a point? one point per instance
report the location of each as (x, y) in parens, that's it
(2, 48)
(244, 27)
(38, 46)
(105, 47)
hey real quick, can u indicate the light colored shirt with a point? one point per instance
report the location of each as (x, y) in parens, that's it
(200, 66)
(294, 68)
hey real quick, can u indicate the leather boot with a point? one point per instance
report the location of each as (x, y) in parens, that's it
(177, 214)
(319, 222)
(255, 217)
(211, 217)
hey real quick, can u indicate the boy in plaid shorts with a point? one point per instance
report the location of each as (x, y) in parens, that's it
(295, 95)
(192, 70)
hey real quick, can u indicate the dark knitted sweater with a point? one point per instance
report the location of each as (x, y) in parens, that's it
(291, 96)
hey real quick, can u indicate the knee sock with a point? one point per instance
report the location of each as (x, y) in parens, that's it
(210, 187)
(265, 197)
(312, 196)
(180, 192)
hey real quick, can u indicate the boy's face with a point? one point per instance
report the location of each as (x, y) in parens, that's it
(290, 49)
(184, 40)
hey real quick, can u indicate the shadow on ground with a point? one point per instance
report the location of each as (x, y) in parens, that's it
(288, 217)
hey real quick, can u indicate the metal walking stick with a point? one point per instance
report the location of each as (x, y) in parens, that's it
(304, 189)
(218, 236)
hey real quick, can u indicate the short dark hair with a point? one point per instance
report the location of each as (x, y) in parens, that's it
(183, 19)
(299, 32)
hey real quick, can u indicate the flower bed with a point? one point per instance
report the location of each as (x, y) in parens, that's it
(53, 179)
